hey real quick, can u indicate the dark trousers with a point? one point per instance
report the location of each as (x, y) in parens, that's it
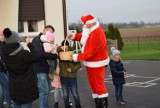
(118, 92)
(70, 83)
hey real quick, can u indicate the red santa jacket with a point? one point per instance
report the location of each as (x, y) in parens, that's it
(95, 53)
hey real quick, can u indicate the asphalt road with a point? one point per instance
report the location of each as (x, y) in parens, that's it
(142, 88)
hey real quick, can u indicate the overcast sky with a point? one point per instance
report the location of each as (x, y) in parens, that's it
(115, 10)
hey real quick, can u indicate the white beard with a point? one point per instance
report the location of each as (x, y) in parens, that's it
(85, 35)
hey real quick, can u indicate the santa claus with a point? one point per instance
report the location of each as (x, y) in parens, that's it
(94, 56)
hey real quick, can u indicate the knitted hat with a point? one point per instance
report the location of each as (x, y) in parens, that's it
(88, 19)
(10, 36)
(114, 51)
(1, 32)
(49, 35)
(67, 43)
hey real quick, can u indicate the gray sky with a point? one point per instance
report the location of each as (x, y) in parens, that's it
(115, 10)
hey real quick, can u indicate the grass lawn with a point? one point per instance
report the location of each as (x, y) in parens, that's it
(144, 50)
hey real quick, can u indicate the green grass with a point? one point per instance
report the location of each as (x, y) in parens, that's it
(144, 50)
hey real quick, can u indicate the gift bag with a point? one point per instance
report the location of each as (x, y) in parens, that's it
(56, 79)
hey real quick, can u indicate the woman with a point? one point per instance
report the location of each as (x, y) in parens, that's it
(22, 80)
(4, 81)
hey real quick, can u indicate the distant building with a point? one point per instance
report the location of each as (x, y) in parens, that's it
(28, 17)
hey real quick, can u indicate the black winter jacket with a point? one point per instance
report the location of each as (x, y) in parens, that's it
(117, 71)
(42, 64)
(22, 79)
(2, 66)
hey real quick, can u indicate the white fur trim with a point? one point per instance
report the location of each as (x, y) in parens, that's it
(100, 96)
(75, 56)
(103, 95)
(95, 27)
(95, 95)
(91, 21)
(97, 63)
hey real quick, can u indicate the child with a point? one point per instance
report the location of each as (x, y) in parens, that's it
(50, 47)
(57, 87)
(68, 77)
(118, 74)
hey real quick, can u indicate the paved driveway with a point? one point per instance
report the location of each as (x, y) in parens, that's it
(142, 89)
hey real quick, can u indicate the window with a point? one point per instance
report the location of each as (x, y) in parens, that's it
(20, 26)
(27, 26)
(32, 26)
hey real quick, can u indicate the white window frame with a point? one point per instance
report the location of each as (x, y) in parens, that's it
(32, 34)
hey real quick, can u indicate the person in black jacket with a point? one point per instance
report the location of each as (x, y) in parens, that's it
(42, 68)
(22, 79)
(4, 81)
(4, 84)
(118, 75)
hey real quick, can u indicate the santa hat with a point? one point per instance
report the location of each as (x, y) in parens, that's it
(1, 32)
(88, 19)
(114, 51)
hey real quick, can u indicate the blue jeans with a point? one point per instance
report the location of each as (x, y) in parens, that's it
(53, 65)
(17, 105)
(118, 92)
(57, 94)
(4, 84)
(70, 83)
(1, 95)
(43, 85)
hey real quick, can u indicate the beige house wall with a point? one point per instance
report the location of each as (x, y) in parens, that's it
(54, 17)
(9, 14)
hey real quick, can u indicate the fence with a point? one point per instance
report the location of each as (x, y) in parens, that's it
(152, 42)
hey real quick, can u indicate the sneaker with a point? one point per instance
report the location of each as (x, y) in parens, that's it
(10, 106)
(70, 103)
(121, 103)
(55, 105)
(124, 100)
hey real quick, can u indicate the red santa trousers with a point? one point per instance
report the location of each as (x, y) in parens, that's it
(96, 80)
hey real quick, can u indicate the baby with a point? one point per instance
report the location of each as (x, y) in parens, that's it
(50, 47)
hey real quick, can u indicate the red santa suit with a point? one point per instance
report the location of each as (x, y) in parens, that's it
(94, 56)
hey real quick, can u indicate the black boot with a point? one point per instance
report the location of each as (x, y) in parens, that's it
(78, 106)
(55, 105)
(103, 102)
(97, 102)
(68, 106)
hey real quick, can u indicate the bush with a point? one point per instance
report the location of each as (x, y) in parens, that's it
(113, 33)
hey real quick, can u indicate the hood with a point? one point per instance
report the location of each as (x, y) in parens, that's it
(11, 49)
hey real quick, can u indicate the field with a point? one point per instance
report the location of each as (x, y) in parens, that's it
(140, 32)
(141, 43)
(145, 50)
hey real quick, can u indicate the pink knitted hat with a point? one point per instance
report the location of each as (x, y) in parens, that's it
(49, 35)
(1, 32)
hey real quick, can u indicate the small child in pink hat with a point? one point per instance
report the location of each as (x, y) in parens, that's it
(50, 47)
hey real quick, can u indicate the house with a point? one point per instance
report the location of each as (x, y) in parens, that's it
(28, 17)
